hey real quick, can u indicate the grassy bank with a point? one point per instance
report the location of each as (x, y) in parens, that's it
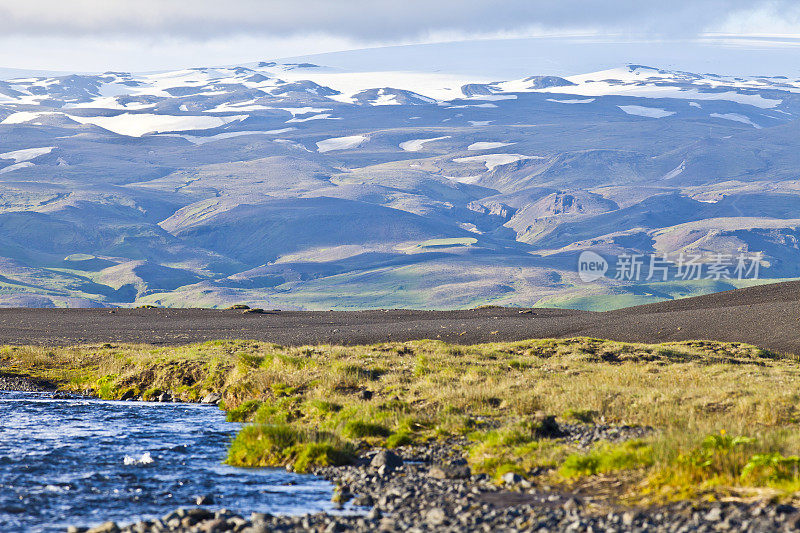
(725, 415)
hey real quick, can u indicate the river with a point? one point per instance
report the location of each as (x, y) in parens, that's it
(82, 462)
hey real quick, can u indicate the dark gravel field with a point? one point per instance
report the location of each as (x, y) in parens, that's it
(767, 315)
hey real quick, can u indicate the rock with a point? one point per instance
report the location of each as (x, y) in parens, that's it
(627, 518)
(451, 471)
(365, 395)
(571, 504)
(546, 425)
(164, 397)
(212, 526)
(334, 527)
(341, 495)
(386, 459)
(211, 398)
(511, 478)
(127, 395)
(200, 514)
(387, 524)
(76, 529)
(714, 515)
(204, 500)
(106, 527)
(260, 517)
(363, 500)
(259, 527)
(435, 516)
(374, 514)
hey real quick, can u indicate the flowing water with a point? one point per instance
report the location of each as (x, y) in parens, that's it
(82, 462)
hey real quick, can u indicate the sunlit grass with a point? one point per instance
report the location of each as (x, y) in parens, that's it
(334, 398)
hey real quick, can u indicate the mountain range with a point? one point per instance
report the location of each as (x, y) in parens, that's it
(297, 185)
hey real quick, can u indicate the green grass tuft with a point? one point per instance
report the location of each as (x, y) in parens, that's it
(357, 429)
(281, 445)
(606, 457)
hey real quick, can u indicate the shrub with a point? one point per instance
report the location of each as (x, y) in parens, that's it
(771, 469)
(105, 388)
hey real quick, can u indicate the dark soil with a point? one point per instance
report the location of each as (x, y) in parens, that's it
(767, 316)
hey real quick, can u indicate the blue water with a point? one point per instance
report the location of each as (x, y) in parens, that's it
(83, 462)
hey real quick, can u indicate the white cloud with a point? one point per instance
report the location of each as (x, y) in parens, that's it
(96, 35)
(364, 20)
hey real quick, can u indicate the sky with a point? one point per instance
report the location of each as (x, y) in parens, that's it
(99, 35)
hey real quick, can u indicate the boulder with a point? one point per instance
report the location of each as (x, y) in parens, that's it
(386, 461)
(211, 398)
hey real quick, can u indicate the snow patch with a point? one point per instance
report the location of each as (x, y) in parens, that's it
(493, 161)
(136, 124)
(736, 118)
(649, 112)
(322, 116)
(573, 101)
(486, 146)
(20, 156)
(195, 139)
(20, 117)
(16, 166)
(340, 143)
(415, 145)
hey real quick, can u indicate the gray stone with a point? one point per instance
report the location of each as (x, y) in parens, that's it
(714, 515)
(435, 516)
(627, 518)
(511, 478)
(211, 398)
(204, 500)
(106, 527)
(389, 460)
(451, 471)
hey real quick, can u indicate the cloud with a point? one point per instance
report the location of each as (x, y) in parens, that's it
(376, 20)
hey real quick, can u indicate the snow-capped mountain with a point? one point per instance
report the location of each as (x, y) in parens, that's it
(297, 185)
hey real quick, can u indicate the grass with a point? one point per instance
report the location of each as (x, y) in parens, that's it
(270, 445)
(606, 457)
(725, 415)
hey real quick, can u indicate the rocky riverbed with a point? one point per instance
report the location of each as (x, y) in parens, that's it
(431, 488)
